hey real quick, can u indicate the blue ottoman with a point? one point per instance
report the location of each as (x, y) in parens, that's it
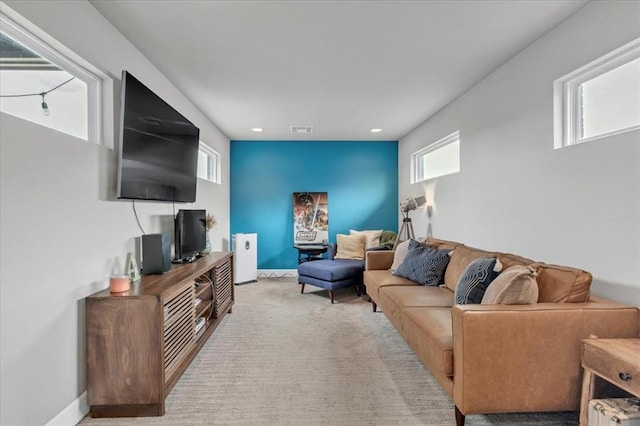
(331, 274)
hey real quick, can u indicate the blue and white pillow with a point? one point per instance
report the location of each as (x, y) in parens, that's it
(475, 279)
(423, 264)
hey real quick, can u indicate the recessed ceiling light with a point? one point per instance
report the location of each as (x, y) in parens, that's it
(257, 129)
(376, 130)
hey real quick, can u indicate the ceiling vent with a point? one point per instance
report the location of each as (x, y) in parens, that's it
(301, 129)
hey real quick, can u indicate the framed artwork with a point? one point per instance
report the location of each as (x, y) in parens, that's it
(310, 218)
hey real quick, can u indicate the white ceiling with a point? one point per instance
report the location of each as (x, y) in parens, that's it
(343, 67)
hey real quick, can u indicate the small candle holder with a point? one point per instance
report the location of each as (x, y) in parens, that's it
(119, 283)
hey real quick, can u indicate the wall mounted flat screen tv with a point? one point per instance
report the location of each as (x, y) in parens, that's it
(158, 158)
(190, 234)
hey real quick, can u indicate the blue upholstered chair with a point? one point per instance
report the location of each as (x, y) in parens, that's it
(331, 274)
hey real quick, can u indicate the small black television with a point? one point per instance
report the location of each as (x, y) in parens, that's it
(158, 156)
(190, 234)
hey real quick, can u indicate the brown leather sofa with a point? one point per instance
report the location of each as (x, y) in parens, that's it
(499, 358)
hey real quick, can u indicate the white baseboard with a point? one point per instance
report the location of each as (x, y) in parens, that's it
(73, 413)
(277, 273)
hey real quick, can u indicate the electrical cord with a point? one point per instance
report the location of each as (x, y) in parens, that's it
(274, 275)
(133, 202)
(45, 107)
(37, 94)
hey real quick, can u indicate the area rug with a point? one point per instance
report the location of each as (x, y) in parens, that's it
(285, 358)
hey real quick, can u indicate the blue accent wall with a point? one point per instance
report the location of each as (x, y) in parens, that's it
(361, 179)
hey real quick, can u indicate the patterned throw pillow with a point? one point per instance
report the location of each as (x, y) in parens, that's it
(514, 286)
(475, 279)
(423, 264)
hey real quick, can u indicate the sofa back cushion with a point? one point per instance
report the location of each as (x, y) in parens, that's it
(442, 244)
(461, 258)
(556, 284)
(508, 260)
(560, 284)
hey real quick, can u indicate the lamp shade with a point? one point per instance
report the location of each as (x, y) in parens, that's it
(412, 203)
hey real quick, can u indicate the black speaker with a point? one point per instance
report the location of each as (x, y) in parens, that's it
(156, 253)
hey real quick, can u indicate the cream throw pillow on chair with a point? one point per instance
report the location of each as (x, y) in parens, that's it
(350, 246)
(373, 237)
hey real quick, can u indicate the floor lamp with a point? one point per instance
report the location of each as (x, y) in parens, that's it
(406, 230)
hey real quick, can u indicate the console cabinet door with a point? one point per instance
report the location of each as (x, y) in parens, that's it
(123, 362)
(223, 284)
(179, 332)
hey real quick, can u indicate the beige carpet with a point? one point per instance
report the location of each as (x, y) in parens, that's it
(285, 358)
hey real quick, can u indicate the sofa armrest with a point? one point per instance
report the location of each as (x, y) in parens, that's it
(378, 259)
(511, 358)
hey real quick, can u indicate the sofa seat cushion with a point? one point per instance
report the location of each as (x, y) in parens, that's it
(376, 279)
(461, 257)
(331, 270)
(417, 296)
(430, 332)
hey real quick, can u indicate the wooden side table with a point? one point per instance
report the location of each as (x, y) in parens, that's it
(615, 360)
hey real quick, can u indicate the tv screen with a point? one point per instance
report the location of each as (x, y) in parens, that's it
(158, 157)
(190, 234)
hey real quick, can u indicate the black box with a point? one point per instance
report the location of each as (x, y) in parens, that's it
(156, 253)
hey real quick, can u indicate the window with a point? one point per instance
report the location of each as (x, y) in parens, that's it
(438, 159)
(40, 84)
(600, 99)
(208, 164)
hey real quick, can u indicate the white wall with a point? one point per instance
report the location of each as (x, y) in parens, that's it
(577, 206)
(61, 227)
